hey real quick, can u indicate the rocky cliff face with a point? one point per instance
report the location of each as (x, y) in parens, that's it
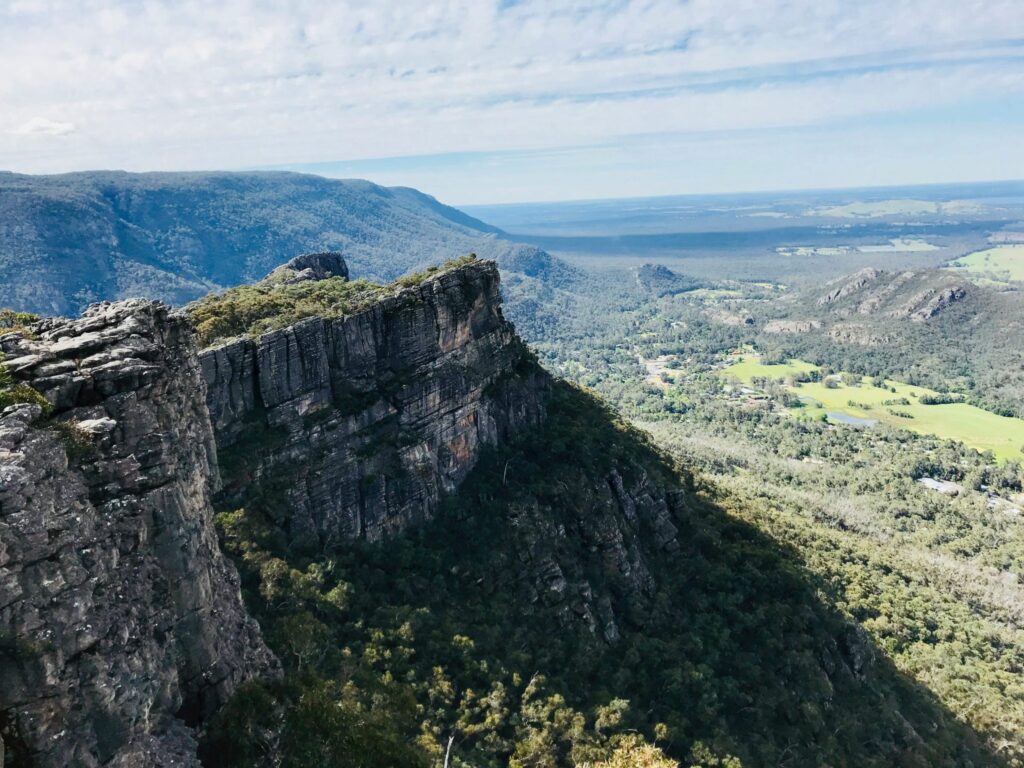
(120, 620)
(355, 427)
(121, 623)
(612, 528)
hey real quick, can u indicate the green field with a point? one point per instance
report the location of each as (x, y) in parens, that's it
(750, 367)
(1005, 262)
(969, 424)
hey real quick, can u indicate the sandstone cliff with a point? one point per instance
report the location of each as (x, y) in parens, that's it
(121, 623)
(355, 427)
(120, 620)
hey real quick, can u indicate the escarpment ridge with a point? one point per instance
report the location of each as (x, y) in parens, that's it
(121, 621)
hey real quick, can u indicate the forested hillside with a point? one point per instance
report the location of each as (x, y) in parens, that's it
(69, 240)
(936, 328)
(725, 650)
(917, 539)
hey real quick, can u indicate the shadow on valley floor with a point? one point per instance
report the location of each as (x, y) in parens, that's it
(476, 625)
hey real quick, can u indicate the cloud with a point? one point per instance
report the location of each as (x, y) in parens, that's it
(41, 126)
(185, 83)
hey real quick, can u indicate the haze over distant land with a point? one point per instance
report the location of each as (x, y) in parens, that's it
(488, 102)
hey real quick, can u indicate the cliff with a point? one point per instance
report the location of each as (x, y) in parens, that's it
(355, 427)
(121, 623)
(120, 619)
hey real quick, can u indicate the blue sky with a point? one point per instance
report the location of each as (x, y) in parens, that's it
(482, 102)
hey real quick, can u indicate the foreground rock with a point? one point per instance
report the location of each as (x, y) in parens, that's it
(121, 623)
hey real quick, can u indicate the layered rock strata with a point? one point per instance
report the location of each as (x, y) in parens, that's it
(121, 623)
(355, 427)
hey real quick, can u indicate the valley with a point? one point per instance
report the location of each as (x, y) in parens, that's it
(720, 517)
(907, 503)
(512, 384)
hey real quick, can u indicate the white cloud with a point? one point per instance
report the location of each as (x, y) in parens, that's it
(41, 126)
(188, 83)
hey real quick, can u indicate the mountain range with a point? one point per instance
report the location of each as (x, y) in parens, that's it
(69, 240)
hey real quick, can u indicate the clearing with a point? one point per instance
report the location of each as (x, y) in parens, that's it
(1005, 262)
(897, 404)
(905, 207)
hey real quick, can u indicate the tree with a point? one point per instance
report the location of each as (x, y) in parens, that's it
(633, 752)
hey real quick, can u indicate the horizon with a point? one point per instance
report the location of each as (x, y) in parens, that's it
(485, 103)
(566, 201)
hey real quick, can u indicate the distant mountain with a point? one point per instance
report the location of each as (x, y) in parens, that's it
(662, 281)
(72, 239)
(931, 327)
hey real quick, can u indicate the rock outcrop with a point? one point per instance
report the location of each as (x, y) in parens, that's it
(121, 623)
(849, 286)
(613, 529)
(355, 427)
(316, 266)
(916, 296)
(930, 303)
(859, 333)
(791, 326)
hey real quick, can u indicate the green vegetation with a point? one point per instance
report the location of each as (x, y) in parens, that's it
(266, 306)
(925, 412)
(749, 367)
(736, 657)
(418, 278)
(13, 393)
(250, 310)
(1004, 263)
(933, 579)
(18, 322)
(923, 573)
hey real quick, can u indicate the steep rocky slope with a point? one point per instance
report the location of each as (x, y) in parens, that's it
(440, 544)
(916, 296)
(354, 427)
(120, 620)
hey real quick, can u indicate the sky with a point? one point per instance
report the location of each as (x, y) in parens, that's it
(477, 101)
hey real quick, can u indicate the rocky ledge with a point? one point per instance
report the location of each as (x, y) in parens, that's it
(121, 623)
(355, 427)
